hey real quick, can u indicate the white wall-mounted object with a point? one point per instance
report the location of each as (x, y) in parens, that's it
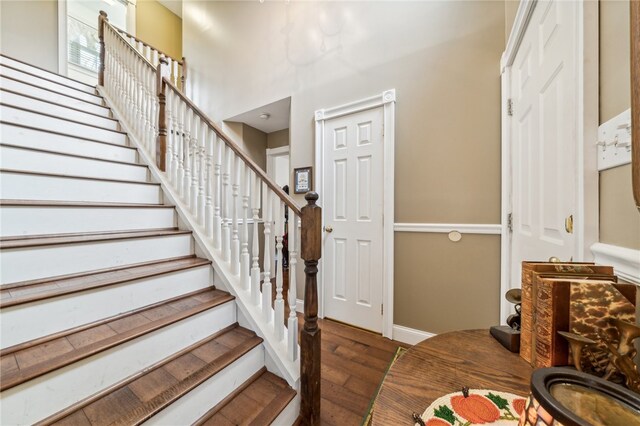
(614, 141)
(445, 228)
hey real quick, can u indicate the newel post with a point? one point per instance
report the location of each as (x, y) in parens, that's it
(310, 336)
(161, 146)
(183, 78)
(102, 17)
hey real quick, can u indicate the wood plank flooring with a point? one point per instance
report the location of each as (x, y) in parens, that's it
(353, 364)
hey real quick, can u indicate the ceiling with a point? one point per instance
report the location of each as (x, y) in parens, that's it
(173, 5)
(279, 112)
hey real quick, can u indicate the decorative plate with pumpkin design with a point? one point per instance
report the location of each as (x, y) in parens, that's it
(475, 407)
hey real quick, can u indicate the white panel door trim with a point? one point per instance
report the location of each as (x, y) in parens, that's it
(387, 100)
(586, 213)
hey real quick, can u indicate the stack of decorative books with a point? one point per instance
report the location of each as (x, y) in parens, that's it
(577, 297)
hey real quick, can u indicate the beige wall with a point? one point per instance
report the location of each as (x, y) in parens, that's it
(278, 139)
(619, 218)
(250, 139)
(29, 31)
(510, 11)
(446, 286)
(443, 60)
(158, 26)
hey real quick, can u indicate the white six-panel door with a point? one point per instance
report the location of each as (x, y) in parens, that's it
(543, 87)
(353, 211)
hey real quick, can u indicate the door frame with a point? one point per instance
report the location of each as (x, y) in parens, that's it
(272, 153)
(387, 100)
(586, 130)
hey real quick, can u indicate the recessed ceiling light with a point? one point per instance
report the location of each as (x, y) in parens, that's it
(264, 116)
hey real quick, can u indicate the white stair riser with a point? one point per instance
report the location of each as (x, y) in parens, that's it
(43, 122)
(39, 220)
(45, 74)
(56, 110)
(47, 95)
(17, 186)
(26, 322)
(46, 395)
(196, 403)
(53, 260)
(58, 88)
(44, 162)
(16, 135)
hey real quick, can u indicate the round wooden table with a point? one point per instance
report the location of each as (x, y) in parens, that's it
(444, 364)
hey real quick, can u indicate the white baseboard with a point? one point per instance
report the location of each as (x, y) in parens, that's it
(410, 336)
(403, 334)
(625, 261)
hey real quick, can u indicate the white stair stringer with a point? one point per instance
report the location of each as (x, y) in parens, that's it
(26, 186)
(30, 160)
(190, 407)
(39, 72)
(44, 396)
(56, 142)
(22, 323)
(61, 111)
(49, 85)
(275, 349)
(23, 220)
(18, 86)
(17, 115)
(30, 263)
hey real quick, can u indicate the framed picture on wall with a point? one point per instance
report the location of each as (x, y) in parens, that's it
(302, 180)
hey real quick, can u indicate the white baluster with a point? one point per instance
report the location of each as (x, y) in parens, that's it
(181, 112)
(208, 209)
(175, 137)
(156, 58)
(292, 322)
(202, 170)
(268, 243)
(193, 188)
(186, 180)
(224, 194)
(175, 73)
(235, 240)
(169, 138)
(278, 304)
(255, 249)
(245, 260)
(217, 193)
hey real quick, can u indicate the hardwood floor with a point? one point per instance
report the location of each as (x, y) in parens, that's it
(353, 364)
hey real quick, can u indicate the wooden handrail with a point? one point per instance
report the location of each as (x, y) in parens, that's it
(286, 198)
(120, 30)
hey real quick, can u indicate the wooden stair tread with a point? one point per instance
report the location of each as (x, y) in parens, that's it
(56, 203)
(46, 240)
(137, 399)
(30, 291)
(98, 101)
(257, 401)
(33, 359)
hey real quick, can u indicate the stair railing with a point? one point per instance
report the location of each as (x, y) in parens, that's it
(177, 67)
(231, 202)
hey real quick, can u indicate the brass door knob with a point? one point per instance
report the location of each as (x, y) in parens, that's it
(328, 229)
(568, 224)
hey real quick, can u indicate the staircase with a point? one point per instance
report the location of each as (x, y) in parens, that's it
(111, 310)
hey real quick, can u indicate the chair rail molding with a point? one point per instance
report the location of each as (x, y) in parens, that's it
(463, 228)
(625, 261)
